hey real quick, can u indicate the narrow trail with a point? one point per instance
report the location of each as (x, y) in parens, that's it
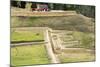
(49, 48)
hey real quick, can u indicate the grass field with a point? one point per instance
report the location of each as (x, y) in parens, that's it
(79, 39)
(81, 52)
(87, 40)
(26, 36)
(29, 55)
(76, 57)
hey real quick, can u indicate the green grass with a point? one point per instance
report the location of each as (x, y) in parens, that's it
(75, 22)
(78, 57)
(86, 39)
(26, 36)
(83, 39)
(29, 55)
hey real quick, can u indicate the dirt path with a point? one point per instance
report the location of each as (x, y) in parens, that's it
(49, 48)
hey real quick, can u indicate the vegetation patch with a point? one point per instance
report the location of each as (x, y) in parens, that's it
(26, 36)
(79, 40)
(75, 22)
(28, 55)
(76, 57)
(87, 40)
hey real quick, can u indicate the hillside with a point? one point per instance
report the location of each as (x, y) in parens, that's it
(74, 22)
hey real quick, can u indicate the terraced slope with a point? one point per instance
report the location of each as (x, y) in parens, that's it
(75, 22)
(67, 48)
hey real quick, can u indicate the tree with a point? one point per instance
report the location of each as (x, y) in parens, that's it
(86, 10)
(28, 6)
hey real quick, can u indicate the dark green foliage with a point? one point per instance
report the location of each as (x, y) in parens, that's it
(83, 9)
(86, 10)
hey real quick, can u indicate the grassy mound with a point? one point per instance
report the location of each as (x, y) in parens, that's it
(73, 22)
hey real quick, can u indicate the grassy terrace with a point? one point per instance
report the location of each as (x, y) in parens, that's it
(85, 40)
(29, 55)
(26, 36)
(76, 57)
(86, 47)
(75, 22)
